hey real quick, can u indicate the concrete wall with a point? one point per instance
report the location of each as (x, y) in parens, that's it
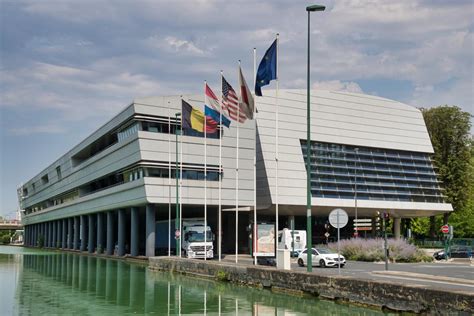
(382, 294)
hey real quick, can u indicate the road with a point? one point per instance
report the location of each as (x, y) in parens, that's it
(454, 276)
(436, 275)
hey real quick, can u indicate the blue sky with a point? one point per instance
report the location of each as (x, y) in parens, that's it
(66, 67)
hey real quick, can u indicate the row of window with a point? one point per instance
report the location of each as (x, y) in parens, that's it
(382, 174)
(370, 151)
(375, 197)
(379, 174)
(162, 125)
(372, 160)
(44, 181)
(189, 172)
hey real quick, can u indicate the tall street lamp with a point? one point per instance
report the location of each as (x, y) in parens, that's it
(356, 228)
(309, 236)
(176, 174)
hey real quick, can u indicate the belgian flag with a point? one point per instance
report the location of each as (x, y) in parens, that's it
(194, 119)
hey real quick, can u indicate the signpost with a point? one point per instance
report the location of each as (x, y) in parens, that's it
(447, 230)
(338, 219)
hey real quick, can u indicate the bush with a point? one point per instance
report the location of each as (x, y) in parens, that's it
(5, 240)
(360, 249)
(222, 276)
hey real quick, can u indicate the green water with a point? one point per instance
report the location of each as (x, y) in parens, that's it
(34, 282)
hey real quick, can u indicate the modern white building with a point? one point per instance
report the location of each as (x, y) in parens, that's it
(111, 188)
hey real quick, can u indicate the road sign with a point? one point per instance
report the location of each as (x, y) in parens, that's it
(363, 220)
(445, 229)
(362, 224)
(326, 234)
(362, 228)
(338, 218)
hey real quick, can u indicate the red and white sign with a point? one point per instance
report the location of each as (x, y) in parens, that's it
(445, 229)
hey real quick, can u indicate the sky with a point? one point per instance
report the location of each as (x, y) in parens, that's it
(67, 67)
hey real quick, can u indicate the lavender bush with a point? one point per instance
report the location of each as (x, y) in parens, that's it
(373, 250)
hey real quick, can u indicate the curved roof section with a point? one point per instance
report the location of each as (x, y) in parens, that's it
(345, 118)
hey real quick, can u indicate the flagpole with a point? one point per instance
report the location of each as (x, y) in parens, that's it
(219, 244)
(180, 187)
(254, 248)
(237, 187)
(169, 179)
(276, 154)
(205, 174)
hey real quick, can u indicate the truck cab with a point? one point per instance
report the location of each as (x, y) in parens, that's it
(197, 240)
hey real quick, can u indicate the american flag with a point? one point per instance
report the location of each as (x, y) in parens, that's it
(230, 102)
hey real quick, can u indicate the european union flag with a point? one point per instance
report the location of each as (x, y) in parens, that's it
(267, 70)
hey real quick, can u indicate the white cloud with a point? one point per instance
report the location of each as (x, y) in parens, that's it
(460, 94)
(336, 85)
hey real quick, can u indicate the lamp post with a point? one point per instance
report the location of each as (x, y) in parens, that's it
(356, 231)
(309, 235)
(176, 174)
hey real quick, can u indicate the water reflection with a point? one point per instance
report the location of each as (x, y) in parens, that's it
(68, 283)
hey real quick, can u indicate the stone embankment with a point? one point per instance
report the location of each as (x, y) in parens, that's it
(381, 294)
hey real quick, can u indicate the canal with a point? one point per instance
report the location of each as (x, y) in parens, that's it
(36, 282)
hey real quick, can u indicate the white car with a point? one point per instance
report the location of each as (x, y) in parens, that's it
(322, 257)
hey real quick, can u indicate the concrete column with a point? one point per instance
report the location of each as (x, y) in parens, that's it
(58, 233)
(110, 233)
(49, 233)
(134, 232)
(91, 238)
(64, 233)
(150, 231)
(83, 232)
(121, 233)
(100, 232)
(52, 232)
(76, 233)
(396, 227)
(26, 236)
(46, 234)
(69, 233)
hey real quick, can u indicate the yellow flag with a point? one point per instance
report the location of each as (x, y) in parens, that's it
(197, 120)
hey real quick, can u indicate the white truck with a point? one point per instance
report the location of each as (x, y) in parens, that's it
(194, 244)
(285, 240)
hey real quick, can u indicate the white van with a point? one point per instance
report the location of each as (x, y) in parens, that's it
(285, 239)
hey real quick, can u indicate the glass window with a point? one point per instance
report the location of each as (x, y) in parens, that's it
(379, 174)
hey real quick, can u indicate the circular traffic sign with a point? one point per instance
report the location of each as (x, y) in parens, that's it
(338, 218)
(445, 229)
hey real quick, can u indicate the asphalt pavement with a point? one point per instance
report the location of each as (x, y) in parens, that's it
(457, 276)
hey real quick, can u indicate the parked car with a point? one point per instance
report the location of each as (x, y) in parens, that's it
(440, 255)
(456, 251)
(460, 252)
(322, 257)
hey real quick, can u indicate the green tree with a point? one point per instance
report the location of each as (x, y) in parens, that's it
(448, 127)
(463, 220)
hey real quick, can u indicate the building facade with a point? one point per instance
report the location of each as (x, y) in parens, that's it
(368, 155)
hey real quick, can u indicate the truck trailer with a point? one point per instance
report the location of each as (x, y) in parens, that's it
(192, 238)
